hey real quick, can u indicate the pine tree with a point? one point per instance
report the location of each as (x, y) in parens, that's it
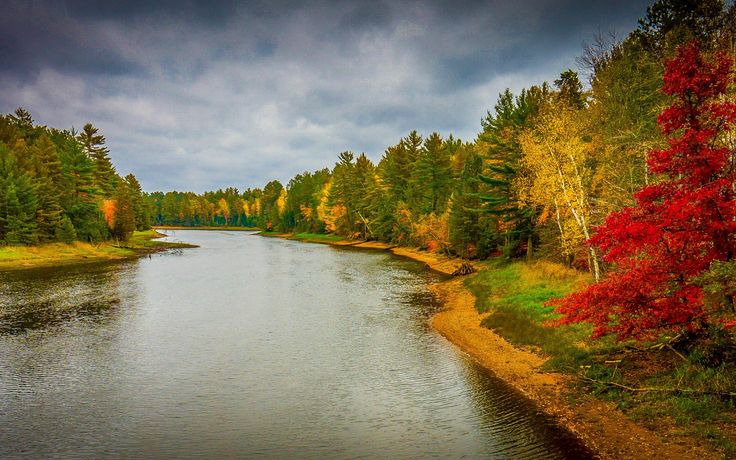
(142, 215)
(105, 178)
(431, 178)
(500, 138)
(48, 178)
(18, 202)
(465, 225)
(66, 232)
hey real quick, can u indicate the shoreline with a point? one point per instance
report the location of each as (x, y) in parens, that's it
(61, 254)
(599, 425)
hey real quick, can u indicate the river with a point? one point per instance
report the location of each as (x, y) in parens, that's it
(248, 347)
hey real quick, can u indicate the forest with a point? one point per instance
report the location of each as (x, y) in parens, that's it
(629, 176)
(61, 186)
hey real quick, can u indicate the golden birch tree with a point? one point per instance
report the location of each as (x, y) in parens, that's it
(560, 156)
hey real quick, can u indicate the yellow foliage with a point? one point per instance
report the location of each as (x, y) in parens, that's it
(431, 232)
(281, 202)
(323, 209)
(558, 156)
(306, 211)
(223, 209)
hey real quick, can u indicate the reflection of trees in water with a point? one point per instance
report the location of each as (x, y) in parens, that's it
(39, 299)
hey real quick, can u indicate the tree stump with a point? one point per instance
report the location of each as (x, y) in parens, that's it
(464, 269)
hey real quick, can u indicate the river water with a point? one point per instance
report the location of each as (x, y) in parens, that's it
(248, 347)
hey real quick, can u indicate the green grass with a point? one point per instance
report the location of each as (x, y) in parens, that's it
(317, 237)
(17, 257)
(515, 294)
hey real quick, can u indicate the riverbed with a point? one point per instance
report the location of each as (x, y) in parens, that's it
(244, 347)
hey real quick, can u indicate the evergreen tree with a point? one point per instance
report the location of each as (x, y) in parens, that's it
(66, 232)
(48, 178)
(141, 211)
(431, 178)
(465, 225)
(105, 178)
(500, 139)
(124, 222)
(18, 202)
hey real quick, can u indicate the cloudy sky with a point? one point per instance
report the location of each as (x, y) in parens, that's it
(202, 95)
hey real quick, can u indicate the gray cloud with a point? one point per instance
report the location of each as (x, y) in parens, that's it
(202, 95)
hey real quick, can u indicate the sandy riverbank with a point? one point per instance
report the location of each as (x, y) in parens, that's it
(602, 427)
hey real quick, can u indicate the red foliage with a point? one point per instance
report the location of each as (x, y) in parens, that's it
(679, 226)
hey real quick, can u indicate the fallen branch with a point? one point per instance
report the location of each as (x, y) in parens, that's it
(727, 394)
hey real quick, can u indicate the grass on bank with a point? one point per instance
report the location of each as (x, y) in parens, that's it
(12, 257)
(317, 237)
(696, 374)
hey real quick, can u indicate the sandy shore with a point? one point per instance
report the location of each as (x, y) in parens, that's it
(603, 428)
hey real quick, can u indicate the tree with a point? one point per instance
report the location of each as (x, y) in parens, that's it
(104, 174)
(431, 178)
(18, 202)
(123, 224)
(465, 225)
(680, 228)
(562, 178)
(142, 212)
(570, 89)
(48, 178)
(66, 232)
(515, 219)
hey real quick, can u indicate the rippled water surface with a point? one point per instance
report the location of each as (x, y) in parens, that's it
(246, 347)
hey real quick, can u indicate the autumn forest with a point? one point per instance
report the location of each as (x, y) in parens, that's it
(623, 172)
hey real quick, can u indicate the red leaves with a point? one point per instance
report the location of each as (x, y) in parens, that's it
(679, 226)
(689, 74)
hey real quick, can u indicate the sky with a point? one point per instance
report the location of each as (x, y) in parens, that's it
(204, 95)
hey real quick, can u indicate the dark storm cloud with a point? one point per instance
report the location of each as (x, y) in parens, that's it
(199, 95)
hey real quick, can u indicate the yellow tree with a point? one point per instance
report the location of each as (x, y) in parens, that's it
(281, 202)
(223, 209)
(560, 156)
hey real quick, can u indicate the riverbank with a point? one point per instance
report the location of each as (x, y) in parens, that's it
(56, 254)
(542, 363)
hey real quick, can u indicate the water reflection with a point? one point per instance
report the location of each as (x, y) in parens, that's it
(248, 346)
(47, 297)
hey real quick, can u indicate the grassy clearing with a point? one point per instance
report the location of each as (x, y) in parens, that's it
(696, 376)
(317, 237)
(515, 294)
(18, 257)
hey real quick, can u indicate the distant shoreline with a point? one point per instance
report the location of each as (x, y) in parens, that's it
(228, 228)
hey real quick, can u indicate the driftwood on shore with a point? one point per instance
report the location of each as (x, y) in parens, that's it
(464, 269)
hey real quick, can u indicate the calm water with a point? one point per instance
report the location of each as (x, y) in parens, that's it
(247, 347)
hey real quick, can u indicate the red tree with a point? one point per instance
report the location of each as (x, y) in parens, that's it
(679, 226)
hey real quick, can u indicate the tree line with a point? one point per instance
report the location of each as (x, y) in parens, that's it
(557, 172)
(61, 186)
